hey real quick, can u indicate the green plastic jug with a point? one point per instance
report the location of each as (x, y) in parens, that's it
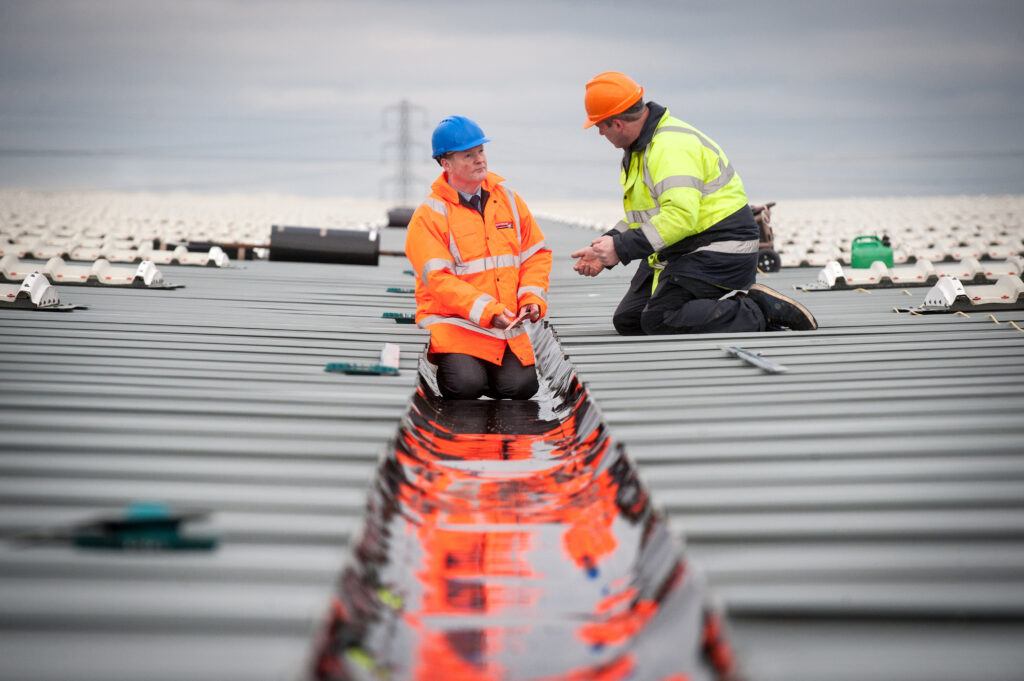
(867, 249)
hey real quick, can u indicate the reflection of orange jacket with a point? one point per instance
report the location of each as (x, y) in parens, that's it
(621, 625)
(459, 656)
(594, 498)
(462, 570)
(589, 537)
(470, 268)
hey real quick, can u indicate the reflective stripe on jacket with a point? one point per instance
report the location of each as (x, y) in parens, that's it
(469, 268)
(683, 196)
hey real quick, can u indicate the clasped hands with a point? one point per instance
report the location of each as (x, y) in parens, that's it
(592, 260)
(505, 319)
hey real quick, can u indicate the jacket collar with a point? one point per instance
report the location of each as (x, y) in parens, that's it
(656, 113)
(451, 195)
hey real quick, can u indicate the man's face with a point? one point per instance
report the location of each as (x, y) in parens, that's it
(614, 131)
(467, 167)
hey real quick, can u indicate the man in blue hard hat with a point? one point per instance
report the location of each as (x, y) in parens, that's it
(482, 269)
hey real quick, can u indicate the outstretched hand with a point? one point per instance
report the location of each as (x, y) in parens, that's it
(593, 259)
(587, 263)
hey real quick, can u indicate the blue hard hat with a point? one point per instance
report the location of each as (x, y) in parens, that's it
(456, 133)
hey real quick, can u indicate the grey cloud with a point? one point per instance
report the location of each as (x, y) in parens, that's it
(306, 81)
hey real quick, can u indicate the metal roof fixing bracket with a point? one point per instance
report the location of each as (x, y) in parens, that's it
(755, 359)
(35, 293)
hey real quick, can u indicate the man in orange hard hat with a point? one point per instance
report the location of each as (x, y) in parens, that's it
(687, 220)
(482, 266)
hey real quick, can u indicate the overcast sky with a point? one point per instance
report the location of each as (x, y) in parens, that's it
(809, 99)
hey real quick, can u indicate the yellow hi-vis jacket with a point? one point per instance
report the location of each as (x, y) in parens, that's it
(469, 268)
(685, 206)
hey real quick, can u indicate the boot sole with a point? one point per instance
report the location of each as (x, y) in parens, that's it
(772, 293)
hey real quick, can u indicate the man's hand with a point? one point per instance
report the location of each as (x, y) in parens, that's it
(532, 311)
(604, 250)
(587, 263)
(503, 320)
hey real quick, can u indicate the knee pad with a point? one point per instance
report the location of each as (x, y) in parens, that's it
(521, 389)
(628, 325)
(527, 389)
(651, 322)
(464, 390)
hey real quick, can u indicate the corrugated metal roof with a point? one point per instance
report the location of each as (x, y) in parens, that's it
(861, 516)
(212, 396)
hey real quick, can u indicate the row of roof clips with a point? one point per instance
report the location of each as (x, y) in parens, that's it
(879, 275)
(119, 252)
(28, 286)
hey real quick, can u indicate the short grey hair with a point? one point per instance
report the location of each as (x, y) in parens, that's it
(632, 113)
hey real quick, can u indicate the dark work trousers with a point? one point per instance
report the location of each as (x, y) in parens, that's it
(682, 305)
(464, 377)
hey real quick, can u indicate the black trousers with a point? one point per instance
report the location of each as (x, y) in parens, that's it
(464, 377)
(682, 305)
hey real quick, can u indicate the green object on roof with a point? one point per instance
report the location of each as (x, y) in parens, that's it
(358, 369)
(400, 317)
(401, 289)
(867, 249)
(146, 526)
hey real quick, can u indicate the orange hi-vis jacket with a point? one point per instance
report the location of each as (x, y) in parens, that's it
(469, 268)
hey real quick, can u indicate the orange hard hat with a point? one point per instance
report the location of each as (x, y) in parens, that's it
(610, 93)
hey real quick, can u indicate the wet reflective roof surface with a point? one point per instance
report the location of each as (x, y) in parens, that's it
(513, 540)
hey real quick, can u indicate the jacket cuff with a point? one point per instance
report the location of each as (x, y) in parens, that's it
(533, 299)
(630, 245)
(493, 308)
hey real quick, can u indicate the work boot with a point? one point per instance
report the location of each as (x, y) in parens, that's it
(780, 310)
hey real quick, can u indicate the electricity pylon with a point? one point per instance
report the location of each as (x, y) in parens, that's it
(405, 178)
